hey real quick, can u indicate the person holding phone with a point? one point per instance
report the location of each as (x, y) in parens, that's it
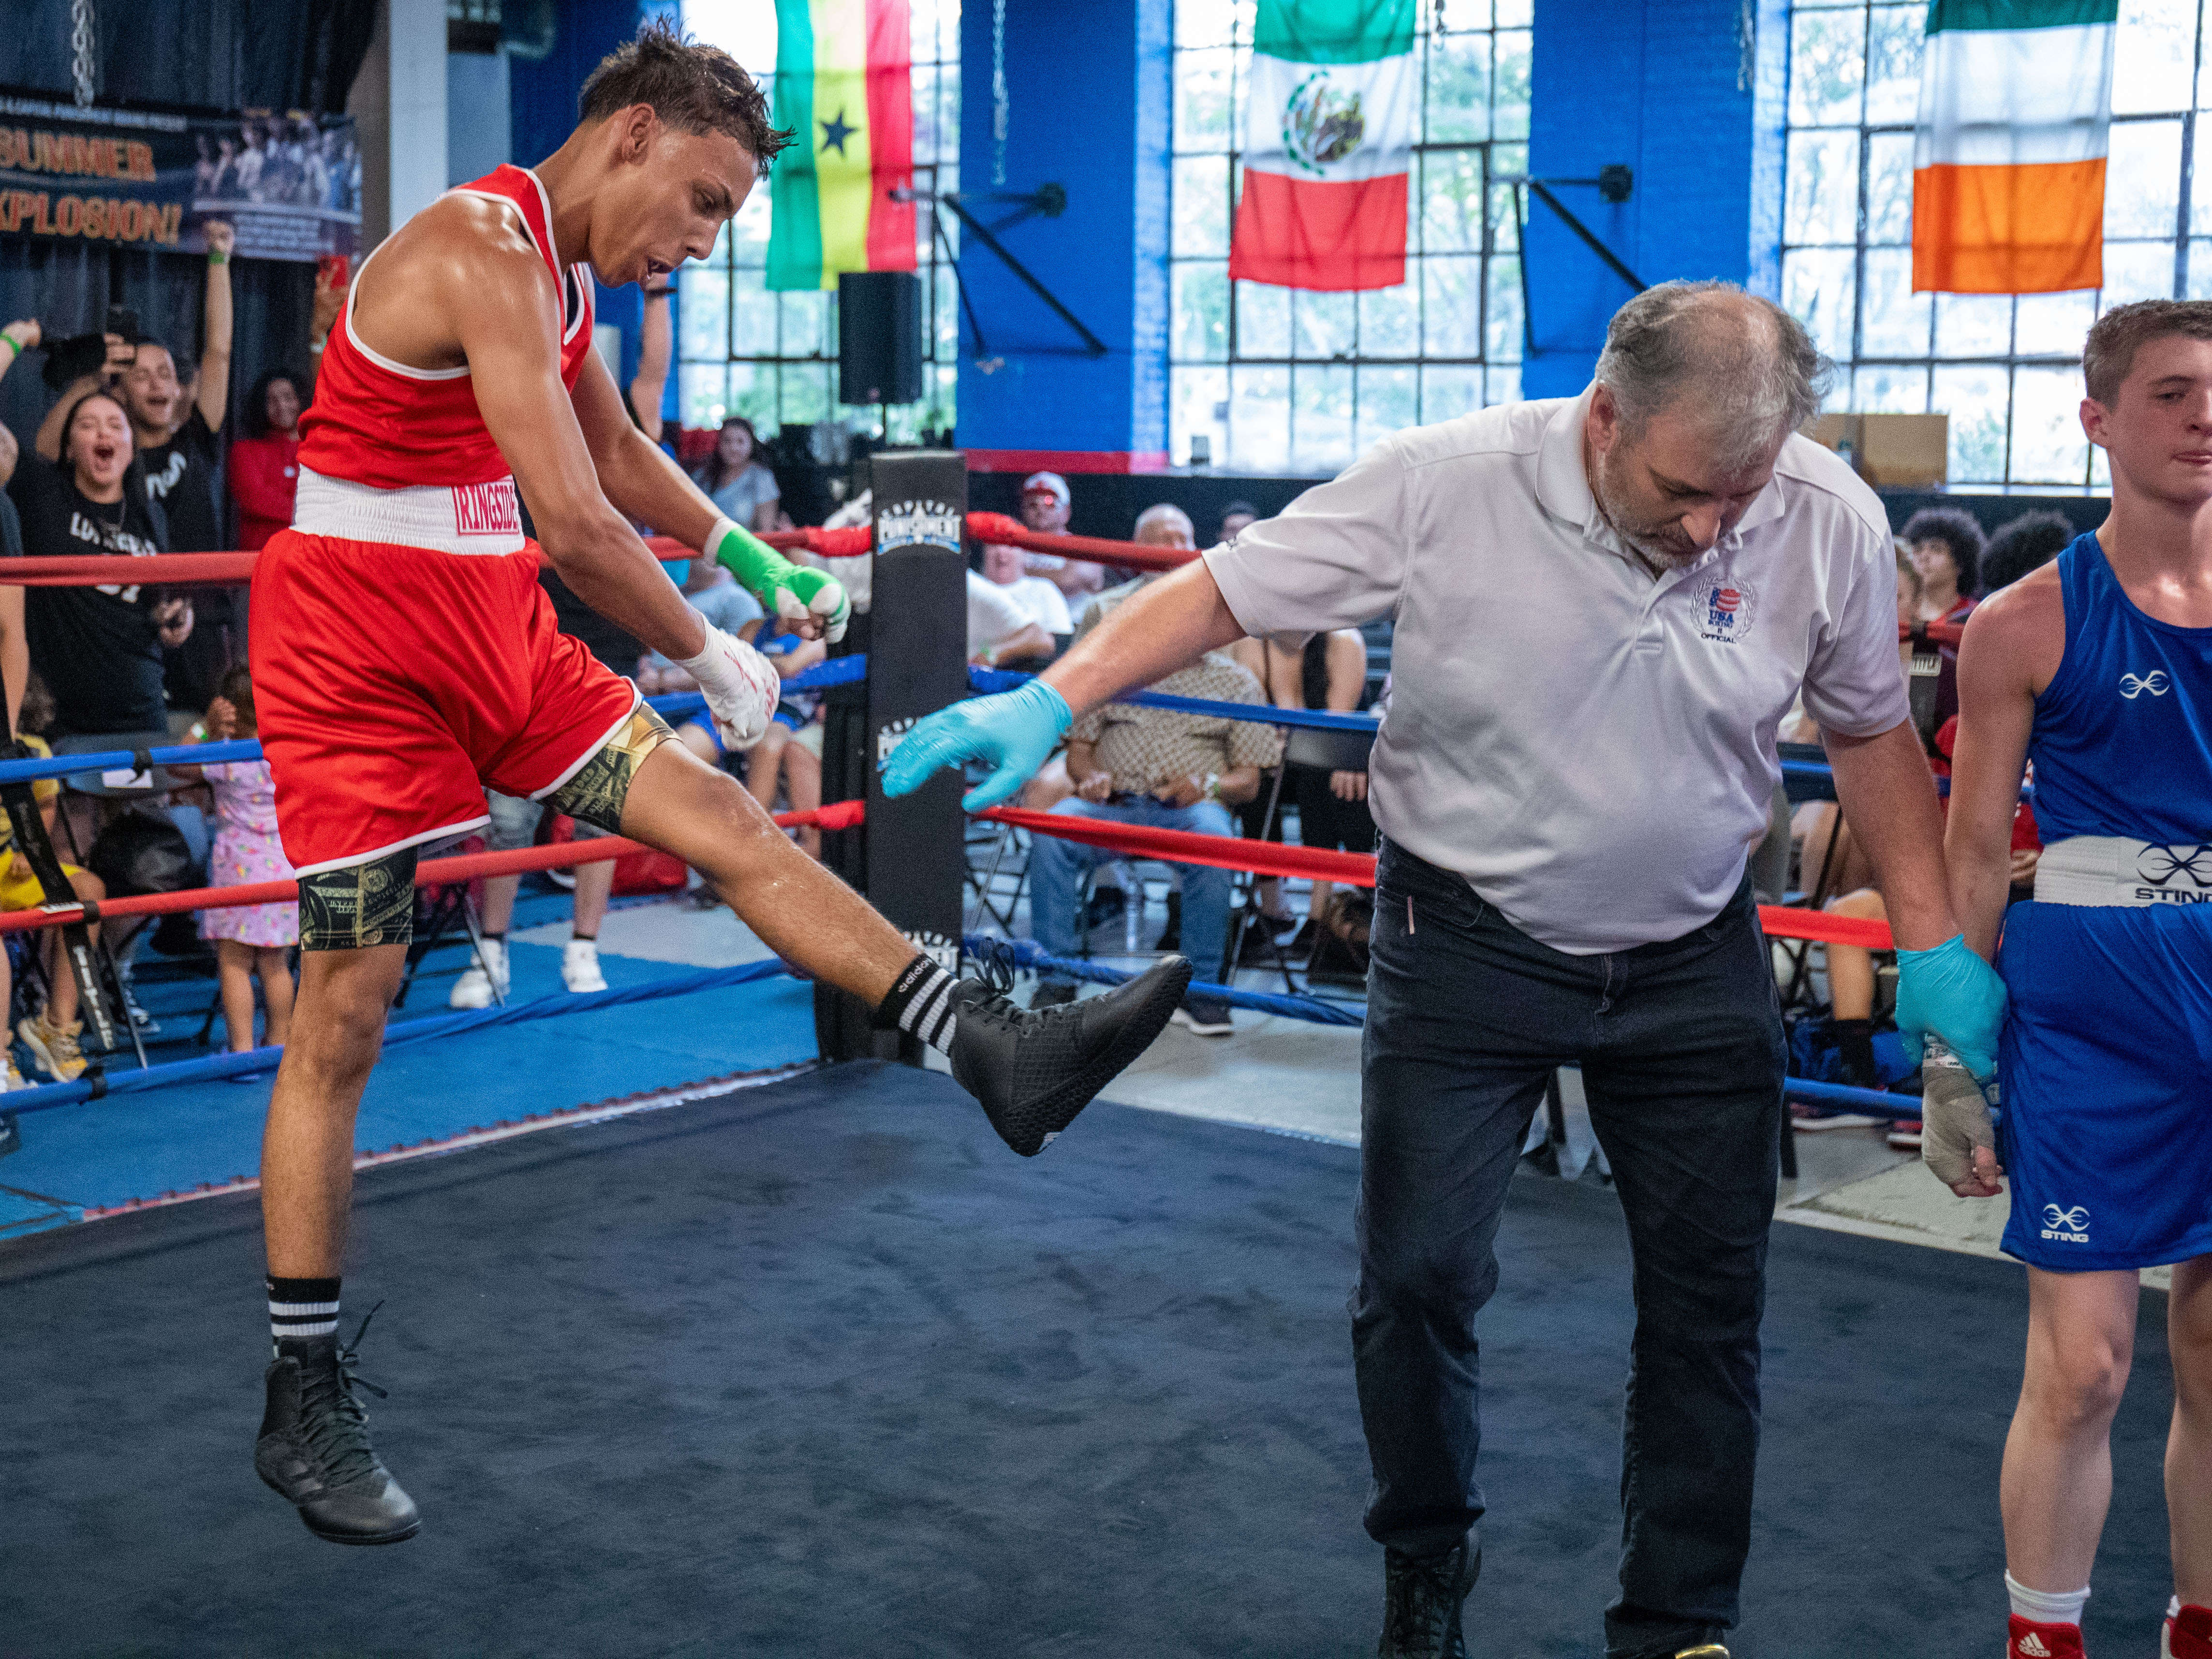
(176, 444)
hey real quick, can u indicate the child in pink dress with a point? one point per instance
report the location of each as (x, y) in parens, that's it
(252, 940)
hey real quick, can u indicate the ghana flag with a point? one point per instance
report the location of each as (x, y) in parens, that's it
(2009, 147)
(844, 86)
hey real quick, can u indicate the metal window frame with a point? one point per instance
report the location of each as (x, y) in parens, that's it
(1486, 252)
(935, 269)
(2012, 360)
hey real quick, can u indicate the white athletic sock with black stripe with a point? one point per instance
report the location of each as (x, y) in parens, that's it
(302, 1309)
(921, 1001)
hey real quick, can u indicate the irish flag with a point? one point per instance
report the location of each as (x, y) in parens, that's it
(1328, 133)
(844, 85)
(2008, 152)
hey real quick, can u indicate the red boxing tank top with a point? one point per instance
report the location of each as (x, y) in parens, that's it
(379, 423)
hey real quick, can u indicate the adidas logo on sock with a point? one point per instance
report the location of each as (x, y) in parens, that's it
(2031, 1647)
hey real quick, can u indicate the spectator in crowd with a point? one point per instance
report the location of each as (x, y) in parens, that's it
(1044, 506)
(178, 446)
(98, 648)
(788, 756)
(740, 486)
(50, 1034)
(1946, 551)
(656, 345)
(264, 462)
(1170, 771)
(1043, 600)
(514, 824)
(333, 275)
(251, 940)
(1234, 518)
(1326, 671)
(2023, 544)
(999, 628)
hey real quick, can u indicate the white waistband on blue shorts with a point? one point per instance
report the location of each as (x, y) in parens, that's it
(478, 518)
(2117, 870)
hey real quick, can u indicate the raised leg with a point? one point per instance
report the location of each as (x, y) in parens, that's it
(805, 914)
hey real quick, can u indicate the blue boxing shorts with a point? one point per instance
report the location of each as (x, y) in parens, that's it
(2107, 1068)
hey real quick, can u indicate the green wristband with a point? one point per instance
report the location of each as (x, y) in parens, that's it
(758, 568)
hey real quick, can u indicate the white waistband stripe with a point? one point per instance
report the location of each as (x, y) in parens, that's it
(477, 518)
(2117, 870)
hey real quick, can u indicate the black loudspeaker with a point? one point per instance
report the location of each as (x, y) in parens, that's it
(878, 336)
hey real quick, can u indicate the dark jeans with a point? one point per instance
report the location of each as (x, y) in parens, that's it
(1682, 1049)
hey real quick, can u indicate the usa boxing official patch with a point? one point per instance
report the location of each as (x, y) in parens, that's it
(1726, 607)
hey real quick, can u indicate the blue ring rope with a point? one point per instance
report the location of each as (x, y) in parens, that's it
(46, 1097)
(838, 671)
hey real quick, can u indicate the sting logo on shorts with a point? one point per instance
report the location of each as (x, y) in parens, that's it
(1725, 607)
(2179, 874)
(2066, 1227)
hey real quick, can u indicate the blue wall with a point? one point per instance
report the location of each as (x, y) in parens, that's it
(542, 99)
(1088, 91)
(1670, 87)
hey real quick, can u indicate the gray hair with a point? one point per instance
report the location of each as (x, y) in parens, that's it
(1165, 513)
(1749, 364)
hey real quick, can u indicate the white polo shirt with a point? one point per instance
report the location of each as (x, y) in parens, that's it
(1591, 747)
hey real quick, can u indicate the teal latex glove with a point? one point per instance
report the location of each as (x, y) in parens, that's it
(1016, 731)
(1953, 993)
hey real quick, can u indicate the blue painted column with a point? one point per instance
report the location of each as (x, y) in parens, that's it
(1087, 96)
(1683, 93)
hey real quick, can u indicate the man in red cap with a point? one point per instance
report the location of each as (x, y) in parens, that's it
(1044, 509)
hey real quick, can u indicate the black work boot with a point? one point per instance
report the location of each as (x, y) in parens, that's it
(1422, 1593)
(314, 1447)
(1034, 1068)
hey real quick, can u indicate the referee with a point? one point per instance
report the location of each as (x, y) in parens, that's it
(1604, 606)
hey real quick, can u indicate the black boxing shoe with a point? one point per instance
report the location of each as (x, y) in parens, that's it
(1034, 1068)
(1422, 1598)
(314, 1448)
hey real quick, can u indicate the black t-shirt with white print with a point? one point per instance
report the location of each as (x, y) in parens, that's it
(97, 648)
(181, 476)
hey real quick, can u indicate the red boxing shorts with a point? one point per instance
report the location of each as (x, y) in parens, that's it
(391, 684)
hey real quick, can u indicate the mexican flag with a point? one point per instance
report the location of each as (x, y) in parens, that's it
(2008, 151)
(1328, 133)
(844, 85)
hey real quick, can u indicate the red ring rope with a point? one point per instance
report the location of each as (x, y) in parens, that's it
(1358, 869)
(438, 872)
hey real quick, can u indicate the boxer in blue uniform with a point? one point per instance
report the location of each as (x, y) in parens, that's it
(2097, 669)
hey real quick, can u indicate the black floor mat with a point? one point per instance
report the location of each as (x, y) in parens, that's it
(822, 1369)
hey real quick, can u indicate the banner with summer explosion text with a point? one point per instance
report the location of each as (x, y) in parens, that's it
(289, 180)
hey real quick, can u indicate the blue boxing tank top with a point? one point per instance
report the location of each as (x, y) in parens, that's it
(2123, 738)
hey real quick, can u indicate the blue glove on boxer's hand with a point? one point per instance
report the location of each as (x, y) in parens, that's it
(1951, 992)
(1016, 731)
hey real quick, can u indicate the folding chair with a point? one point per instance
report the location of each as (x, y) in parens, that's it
(1327, 750)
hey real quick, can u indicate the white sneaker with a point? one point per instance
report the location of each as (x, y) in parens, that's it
(580, 965)
(486, 975)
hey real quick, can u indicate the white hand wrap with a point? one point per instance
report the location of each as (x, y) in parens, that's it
(740, 686)
(1954, 1116)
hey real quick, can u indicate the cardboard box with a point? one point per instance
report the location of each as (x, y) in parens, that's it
(1905, 452)
(1891, 451)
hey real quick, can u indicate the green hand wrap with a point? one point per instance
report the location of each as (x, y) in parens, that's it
(790, 592)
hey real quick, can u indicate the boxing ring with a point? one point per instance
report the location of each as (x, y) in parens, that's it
(728, 1335)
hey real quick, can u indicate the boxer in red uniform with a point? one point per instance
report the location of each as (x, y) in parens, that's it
(404, 657)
